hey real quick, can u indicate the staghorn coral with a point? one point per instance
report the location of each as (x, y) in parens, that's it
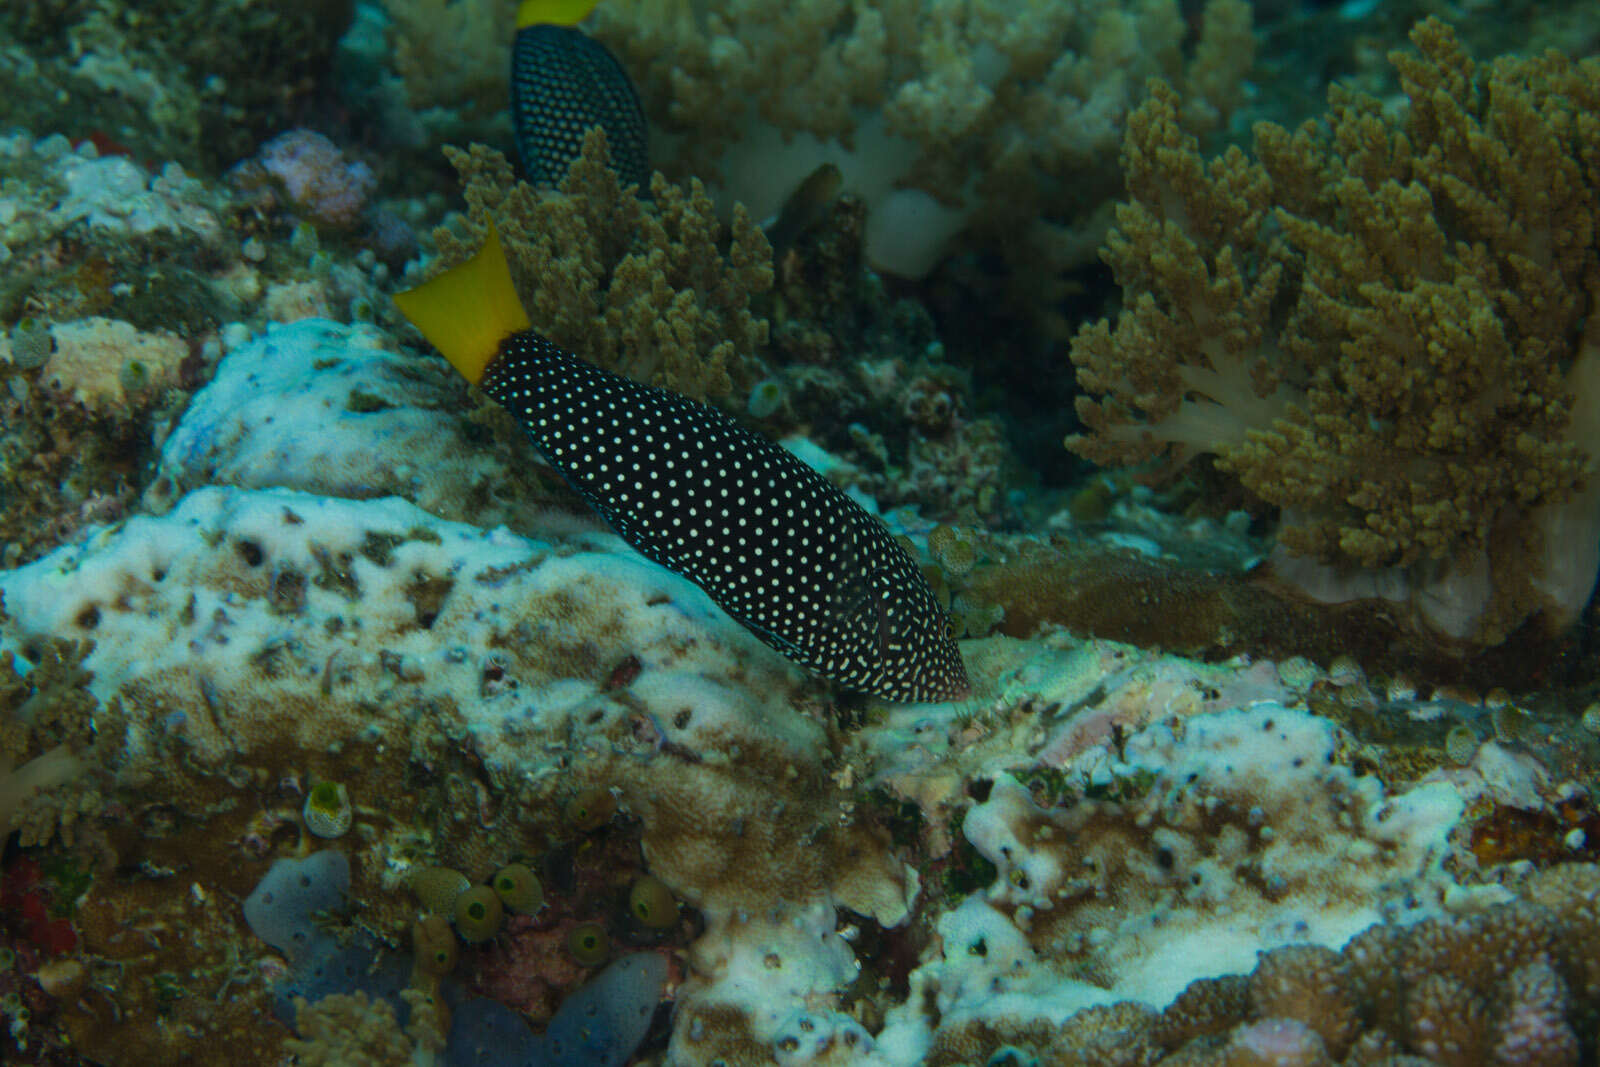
(1378, 328)
(641, 288)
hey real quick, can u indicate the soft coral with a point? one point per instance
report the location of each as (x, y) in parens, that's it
(1380, 329)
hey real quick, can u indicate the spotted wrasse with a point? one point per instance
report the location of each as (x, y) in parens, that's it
(775, 544)
(562, 83)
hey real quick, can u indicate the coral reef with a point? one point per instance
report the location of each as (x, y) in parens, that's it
(864, 375)
(640, 287)
(333, 731)
(1513, 986)
(1378, 328)
(198, 83)
(944, 117)
(48, 737)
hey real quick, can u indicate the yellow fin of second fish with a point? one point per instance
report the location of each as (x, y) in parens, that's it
(469, 309)
(554, 12)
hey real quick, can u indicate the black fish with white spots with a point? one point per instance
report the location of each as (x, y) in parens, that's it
(776, 545)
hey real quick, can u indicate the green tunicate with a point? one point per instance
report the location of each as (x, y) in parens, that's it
(518, 888)
(134, 376)
(303, 241)
(328, 812)
(433, 946)
(1461, 744)
(588, 944)
(31, 344)
(438, 888)
(651, 903)
(1591, 718)
(478, 914)
(766, 397)
(590, 809)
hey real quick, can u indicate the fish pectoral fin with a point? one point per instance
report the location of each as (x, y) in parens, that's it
(866, 610)
(784, 646)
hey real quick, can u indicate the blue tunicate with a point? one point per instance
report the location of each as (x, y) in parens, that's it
(600, 1025)
(281, 909)
(330, 967)
(486, 1033)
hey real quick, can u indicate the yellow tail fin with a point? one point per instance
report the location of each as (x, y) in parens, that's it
(554, 12)
(469, 309)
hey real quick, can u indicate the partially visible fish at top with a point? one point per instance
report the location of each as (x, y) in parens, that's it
(562, 83)
(778, 547)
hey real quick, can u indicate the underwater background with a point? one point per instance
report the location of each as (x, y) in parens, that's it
(1229, 371)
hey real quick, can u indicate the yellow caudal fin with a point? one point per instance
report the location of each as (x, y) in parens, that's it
(553, 12)
(469, 309)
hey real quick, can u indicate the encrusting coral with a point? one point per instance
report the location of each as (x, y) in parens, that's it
(1378, 328)
(638, 287)
(1517, 985)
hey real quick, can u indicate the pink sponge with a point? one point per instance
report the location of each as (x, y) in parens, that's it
(316, 178)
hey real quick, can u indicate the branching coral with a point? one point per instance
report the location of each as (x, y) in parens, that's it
(640, 288)
(452, 53)
(990, 88)
(1379, 327)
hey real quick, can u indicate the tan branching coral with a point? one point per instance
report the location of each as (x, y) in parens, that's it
(977, 88)
(641, 288)
(452, 54)
(1002, 117)
(353, 1030)
(1378, 327)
